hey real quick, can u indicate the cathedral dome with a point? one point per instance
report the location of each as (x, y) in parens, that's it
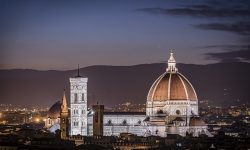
(171, 85)
(54, 111)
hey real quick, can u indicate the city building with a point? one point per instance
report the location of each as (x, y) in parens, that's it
(172, 104)
(64, 118)
(52, 123)
(78, 105)
(171, 108)
(98, 120)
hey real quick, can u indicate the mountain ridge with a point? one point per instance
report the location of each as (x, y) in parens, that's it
(220, 83)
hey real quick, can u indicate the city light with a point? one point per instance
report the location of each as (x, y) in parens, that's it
(37, 119)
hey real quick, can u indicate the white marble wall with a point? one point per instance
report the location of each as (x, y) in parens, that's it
(185, 107)
(114, 124)
(78, 106)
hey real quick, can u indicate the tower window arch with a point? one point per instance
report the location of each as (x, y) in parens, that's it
(75, 111)
(75, 123)
(83, 111)
(124, 122)
(75, 97)
(139, 122)
(156, 131)
(109, 122)
(82, 96)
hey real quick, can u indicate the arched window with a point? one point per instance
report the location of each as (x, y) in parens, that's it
(160, 111)
(75, 123)
(109, 122)
(139, 122)
(75, 97)
(147, 118)
(124, 122)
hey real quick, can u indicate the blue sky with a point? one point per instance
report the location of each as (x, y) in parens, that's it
(59, 35)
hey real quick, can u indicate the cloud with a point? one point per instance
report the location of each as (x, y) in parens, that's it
(155, 10)
(235, 53)
(242, 28)
(205, 10)
(208, 11)
(233, 17)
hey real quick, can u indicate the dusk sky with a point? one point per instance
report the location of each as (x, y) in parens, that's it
(51, 34)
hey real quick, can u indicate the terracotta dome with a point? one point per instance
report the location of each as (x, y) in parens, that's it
(172, 85)
(54, 111)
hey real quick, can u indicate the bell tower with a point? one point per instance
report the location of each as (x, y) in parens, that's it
(64, 118)
(78, 105)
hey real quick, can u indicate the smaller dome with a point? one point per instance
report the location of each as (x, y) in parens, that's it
(196, 121)
(54, 111)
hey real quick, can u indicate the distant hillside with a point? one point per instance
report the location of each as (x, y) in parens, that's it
(222, 83)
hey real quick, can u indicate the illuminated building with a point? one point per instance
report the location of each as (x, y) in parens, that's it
(172, 104)
(171, 108)
(78, 105)
(52, 123)
(64, 118)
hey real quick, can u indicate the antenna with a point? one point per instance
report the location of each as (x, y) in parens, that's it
(78, 72)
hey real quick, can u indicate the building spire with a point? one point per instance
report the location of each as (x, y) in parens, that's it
(78, 72)
(171, 63)
(64, 106)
